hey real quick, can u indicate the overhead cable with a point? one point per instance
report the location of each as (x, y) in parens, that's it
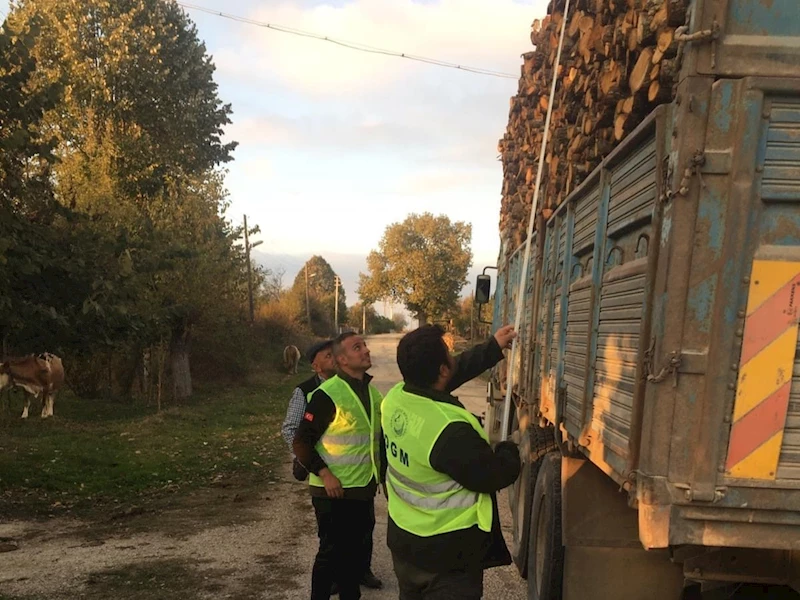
(351, 45)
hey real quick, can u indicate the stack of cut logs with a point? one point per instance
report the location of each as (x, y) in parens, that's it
(618, 63)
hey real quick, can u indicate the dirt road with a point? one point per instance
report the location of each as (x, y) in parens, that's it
(226, 541)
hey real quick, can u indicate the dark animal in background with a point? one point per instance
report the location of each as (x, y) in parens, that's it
(291, 358)
(40, 375)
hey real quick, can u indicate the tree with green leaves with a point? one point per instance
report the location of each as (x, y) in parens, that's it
(321, 295)
(421, 262)
(376, 324)
(137, 250)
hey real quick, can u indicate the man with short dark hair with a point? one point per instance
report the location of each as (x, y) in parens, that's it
(320, 356)
(442, 474)
(339, 442)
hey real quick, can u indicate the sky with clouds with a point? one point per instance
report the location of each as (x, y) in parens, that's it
(335, 145)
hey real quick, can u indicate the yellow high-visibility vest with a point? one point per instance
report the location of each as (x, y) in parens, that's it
(350, 444)
(422, 500)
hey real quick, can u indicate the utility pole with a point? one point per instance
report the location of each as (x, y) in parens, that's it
(472, 323)
(247, 248)
(308, 306)
(363, 318)
(336, 283)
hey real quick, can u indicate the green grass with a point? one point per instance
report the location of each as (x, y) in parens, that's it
(97, 453)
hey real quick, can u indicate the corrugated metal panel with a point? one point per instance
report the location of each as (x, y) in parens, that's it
(499, 299)
(525, 331)
(621, 304)
(585, 221)
(781, 177)
(578, 318)
(633, 189)
(562, 243)
(555, 342)
(789, 464)
(514, 272)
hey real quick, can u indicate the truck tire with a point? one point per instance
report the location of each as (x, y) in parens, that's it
(545, 552)
(535, 443)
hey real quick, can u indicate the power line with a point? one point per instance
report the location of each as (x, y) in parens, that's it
(351, 45)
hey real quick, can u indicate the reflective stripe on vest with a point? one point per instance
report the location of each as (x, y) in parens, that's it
(423, 500)
(417, 495)
(349, 445)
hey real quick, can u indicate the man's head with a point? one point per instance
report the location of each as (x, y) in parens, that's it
(352, 354)
(423, 358)
(320, 355)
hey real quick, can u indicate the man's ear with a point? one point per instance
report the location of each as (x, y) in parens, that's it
(444, 370)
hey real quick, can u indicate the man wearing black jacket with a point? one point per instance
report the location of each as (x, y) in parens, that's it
(320, 357)
(443, 475)
(339, 442)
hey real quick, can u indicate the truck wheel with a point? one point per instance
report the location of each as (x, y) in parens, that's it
(535, 443)
(545, 552)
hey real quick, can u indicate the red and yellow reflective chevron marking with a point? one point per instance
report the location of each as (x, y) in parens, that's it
(765, 370)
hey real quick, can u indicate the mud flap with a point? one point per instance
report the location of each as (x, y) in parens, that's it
(604, 559)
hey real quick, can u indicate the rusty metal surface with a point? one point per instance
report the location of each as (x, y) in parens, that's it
(595, 512)
(665, 418)
(636, 328)
(598, 573)
(754, 37)
(740, 565)
(717, 294)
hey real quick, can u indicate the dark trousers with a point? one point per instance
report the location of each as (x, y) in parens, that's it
(368, 537)
(416, 584)
(343, 527)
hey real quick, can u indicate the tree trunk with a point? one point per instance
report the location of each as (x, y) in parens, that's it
(179, 361)
(422, 318)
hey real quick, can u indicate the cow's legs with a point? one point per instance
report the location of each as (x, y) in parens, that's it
(47, 405)
(27, 406)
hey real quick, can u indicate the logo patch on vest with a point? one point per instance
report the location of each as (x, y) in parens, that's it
(308, 417)
(399, 422)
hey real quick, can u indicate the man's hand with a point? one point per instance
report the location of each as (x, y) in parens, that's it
(333, 487)
(504, 336)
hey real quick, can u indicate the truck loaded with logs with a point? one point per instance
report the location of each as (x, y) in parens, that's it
(654, 388)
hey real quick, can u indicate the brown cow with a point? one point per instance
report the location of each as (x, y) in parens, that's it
(40, 375)
(291, 357)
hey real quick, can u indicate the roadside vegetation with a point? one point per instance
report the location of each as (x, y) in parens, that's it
(101, 457)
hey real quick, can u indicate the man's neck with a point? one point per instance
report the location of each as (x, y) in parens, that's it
(359, 375)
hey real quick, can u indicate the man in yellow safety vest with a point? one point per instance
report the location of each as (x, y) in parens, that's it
(339, 443)
(442, 474)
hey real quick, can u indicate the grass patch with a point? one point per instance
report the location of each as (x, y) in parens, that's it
(97, 453)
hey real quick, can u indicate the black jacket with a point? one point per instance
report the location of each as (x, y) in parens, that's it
(299, 472)
(462, 453)
(310, 384)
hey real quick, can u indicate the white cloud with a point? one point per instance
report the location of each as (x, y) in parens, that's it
(485, 33)
(331, 137)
